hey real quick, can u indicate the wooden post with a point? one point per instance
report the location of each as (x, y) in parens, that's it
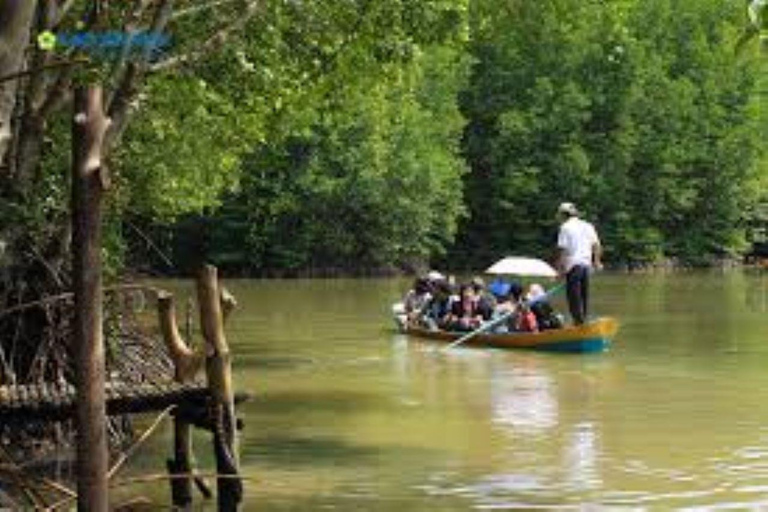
(186, 363)
(181, 464)
(228, 303)
(89, 181)
(219, 374)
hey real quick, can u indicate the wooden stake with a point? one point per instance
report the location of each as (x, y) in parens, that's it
(180, 466)
(219, 374)
(186, 363)
(89, 181)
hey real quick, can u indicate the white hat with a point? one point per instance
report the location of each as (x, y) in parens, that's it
(568, 208)
(434, 275)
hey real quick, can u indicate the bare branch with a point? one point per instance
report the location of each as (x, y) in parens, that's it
(36, 86)
(215, 42)
(197, 8)
(53, 65)
(152, 245)
(127, 88)
(63, 11)
(121, 460)
(139, 8)
(57, 94)
(119, 107)
(162, 16)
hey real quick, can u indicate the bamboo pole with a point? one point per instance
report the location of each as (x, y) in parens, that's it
(89, 182)
(219, 376)
(140, 441)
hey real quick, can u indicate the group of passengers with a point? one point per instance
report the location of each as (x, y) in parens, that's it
(436, 302)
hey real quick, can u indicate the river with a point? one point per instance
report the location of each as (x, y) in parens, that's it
(349, 415)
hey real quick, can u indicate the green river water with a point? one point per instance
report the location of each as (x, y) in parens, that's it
(348, 415)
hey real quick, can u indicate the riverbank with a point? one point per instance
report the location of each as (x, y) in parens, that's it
(669, 265)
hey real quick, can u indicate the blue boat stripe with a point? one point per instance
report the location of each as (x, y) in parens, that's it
(584, 345)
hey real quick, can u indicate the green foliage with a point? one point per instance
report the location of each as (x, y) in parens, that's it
(348, 112)
(370, 183)
(383, 133)
(329, 136)
(640, 112)
(183, 150)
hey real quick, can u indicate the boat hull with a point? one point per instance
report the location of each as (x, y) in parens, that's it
(594, 336)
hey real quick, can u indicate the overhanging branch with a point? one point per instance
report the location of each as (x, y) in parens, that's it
(53, 65)
(127, 87)
(215, 42)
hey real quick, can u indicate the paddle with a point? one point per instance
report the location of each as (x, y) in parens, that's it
(503, 317)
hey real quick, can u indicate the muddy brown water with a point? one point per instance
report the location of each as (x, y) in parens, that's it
(349, 415)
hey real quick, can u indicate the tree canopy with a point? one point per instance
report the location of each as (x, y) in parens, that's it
(290, 136)
(640, 112)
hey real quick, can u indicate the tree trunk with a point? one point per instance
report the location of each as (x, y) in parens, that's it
(16, 17)
(88, 184)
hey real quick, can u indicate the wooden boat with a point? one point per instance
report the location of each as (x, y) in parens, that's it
(594, 336)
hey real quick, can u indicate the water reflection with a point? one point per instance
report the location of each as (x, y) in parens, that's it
(581, 457)
(525, 404)
(351, 417)
(534, 482)
(523, 397)
(537, 440)
(756, 293)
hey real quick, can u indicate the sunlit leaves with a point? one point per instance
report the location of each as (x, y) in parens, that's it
(638, 111)
(371, 180)
(183, 151)
(331, 127)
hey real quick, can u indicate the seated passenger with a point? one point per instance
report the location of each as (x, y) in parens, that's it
(499, 288)
(505, 307)
(545, 314)
(487, 300)
(524, 318)
(416, 301)
(439, 306)
(535, 291)
(466, 313)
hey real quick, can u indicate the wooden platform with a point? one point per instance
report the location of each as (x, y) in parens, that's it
(146, 370)
(56, 402)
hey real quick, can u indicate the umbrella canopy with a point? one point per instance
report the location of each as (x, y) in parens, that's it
(519, 266)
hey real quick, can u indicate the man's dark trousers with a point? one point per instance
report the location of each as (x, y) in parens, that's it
(577, 287)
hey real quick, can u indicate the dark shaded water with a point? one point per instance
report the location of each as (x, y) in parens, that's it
(350, 416)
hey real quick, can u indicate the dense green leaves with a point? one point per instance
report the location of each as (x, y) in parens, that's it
(373, 182)
(641, 113)
(350, 114)
(375, 134)
(182, 151)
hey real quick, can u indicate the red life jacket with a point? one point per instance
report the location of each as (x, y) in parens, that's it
(526, 322)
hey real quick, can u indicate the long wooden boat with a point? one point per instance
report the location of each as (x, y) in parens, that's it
(594, 336)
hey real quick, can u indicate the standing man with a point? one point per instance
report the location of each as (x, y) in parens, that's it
(580, 251)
